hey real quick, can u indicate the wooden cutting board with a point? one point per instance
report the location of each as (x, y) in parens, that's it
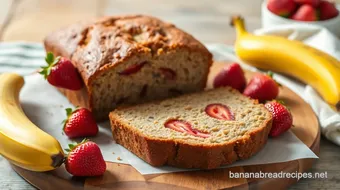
(120, 176)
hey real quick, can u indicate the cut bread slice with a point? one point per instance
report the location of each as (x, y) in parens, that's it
(202, 130)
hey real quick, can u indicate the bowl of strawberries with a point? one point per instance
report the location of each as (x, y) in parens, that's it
(323, 13)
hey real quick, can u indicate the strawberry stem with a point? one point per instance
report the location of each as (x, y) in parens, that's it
(69, 112)
(51, 61)
(271, 75)
(284, 104)
(281, 102)
(74, 145)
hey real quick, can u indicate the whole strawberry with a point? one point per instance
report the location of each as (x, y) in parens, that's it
(262, 87)
(61, 73)
(283, 8)
(306, 13)
(231, 75)
(80, 123)
(85, 159)
(282, 118)
(328, 10)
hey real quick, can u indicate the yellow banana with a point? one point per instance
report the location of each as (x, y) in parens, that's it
(293, 58)
(22, 142)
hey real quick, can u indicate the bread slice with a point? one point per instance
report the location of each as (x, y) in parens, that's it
(126, 60)
(200, 130)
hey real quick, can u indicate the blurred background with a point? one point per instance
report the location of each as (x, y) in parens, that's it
(208, 20)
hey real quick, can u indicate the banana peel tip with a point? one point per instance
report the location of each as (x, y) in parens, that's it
(234, 18)
(58, 159)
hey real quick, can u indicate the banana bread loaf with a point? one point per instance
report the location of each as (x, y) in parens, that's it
(200, 130)
(129, 60)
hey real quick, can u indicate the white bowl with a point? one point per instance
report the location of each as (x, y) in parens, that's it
(270, 19)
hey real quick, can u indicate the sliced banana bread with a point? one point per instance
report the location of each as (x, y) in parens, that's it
(200, 130)
(130, 59)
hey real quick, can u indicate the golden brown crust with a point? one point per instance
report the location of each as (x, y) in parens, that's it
(96, 46)
(179, 153)
(99, 45)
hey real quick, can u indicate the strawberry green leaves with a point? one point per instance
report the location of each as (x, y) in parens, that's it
(51, 61)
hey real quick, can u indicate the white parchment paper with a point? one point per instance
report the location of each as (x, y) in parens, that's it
(45, 106)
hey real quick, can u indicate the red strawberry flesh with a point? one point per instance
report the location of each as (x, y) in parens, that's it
(219, 111)
(85, 159)
(132, 69)
(184, 127)
(168, 73)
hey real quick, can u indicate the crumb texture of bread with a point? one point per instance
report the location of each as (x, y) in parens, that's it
(141, 129)
(125, 60)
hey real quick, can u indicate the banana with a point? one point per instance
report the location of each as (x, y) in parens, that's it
(22, 142)
(293, 58)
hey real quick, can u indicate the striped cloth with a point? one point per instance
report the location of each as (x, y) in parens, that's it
(21, 57)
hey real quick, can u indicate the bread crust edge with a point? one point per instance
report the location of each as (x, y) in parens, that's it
(159, 152)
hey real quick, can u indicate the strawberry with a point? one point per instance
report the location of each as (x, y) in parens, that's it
(262, 87)
(61, 73)
(132, 69)
(85, 159)
(282, 118)
(184, 127)
(80, 123)
(313, 3)
(283, 8)
(328, 10)
(168, 74)
(231, 75)
(219, 111)
(306, 13)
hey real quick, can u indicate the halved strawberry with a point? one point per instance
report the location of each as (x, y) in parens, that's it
(200, 134)
(177, 125)
(184, 127)
(219, 111)
(132, 69)
(168, 73)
